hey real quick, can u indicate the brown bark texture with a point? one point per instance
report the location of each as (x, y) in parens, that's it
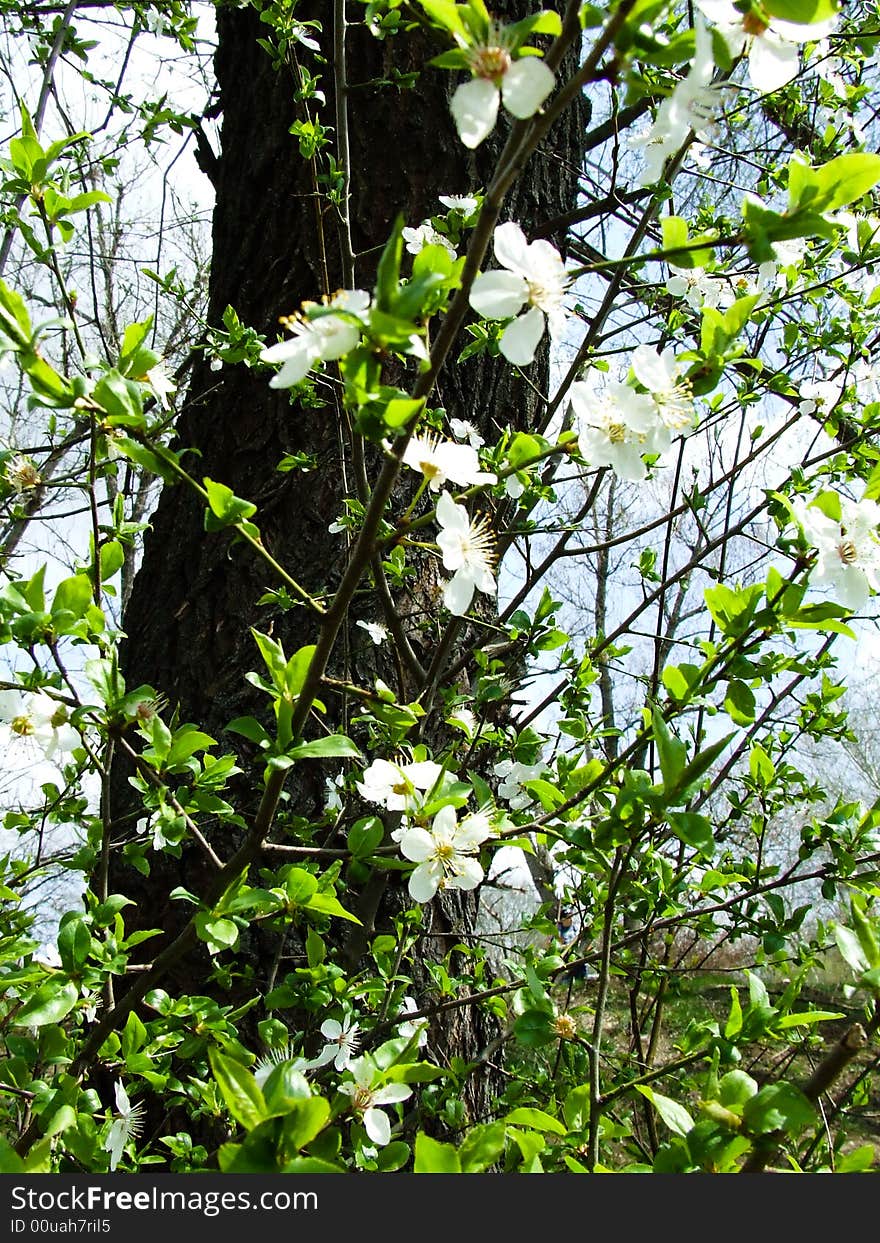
(194, 598)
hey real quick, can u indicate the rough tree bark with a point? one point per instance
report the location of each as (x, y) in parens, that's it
(274, 244)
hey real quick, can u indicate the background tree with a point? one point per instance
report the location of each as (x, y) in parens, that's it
(313, 606)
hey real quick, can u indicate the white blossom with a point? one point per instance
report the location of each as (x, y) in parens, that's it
(690, 107)
(367, 1096)
(819, 395)
(465, 203)
(22, 473)
(532, 276)
(377, 632)
(616, 426)
(514, 487)
(513, 773)
(463, 429)
(126, 1126)
(334, 787)
(696, 286)
(413, 1026)
(318, 335)
(468, 550)
(395, 785)
(161, 385)
(279, 1056)
(521, 85)
(342, 1042)
(663, 377)
(445, 853)
(34, 728)
(772, 45)
(849, 550)
(439, 460)
(426, 235)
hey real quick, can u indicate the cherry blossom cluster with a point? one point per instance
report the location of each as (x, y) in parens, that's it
(619, 424)
(446, 851)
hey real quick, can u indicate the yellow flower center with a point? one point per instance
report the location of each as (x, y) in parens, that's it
(847, 552)
(490, 62)
(565, 1027)
(617, 433)
(362, 1100)
(754, 24)
(23, 726)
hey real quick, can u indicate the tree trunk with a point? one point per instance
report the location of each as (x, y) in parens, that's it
(276, 243)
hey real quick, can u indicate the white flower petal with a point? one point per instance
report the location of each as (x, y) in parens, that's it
(458, 593)
(417, 845)
(525, 86)
(451, 516)
(424, 881)
(377, 1126)
(475, 110)
(772, 63)
(511, 248)
(392, 1094)
(296, 368)
(498, 295)
(520, 339)
(423, 773)
(468, 874)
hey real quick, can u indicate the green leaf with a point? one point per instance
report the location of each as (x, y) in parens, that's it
(10, 1161)
(227, 508)
(218, 934)
(671, 751)
(111, 558)
(850, 949)
(808, 1017)
(444, 13)
(482, 1147)
(388, 271)
(833, 185)
(537, 1119)
(146, 457)
(15, 323)
(334, 746)
(700, 765)
(864, 931)
(240, 1090)
(778, 1107)
(251, 729)
(49, 1004)
(735, 1088)
(676, 237)
(74, 944)
(694, 830)
(365, 836)
(734, 1023)
(524, 448)
(739, 703)
(316, 950)
(297, 668)
(121, 399)
(327, 904)
(802, 12)
(534, 1028)
(300, 886)
(433, 1157)
(304, 1120)
(674, 1115)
